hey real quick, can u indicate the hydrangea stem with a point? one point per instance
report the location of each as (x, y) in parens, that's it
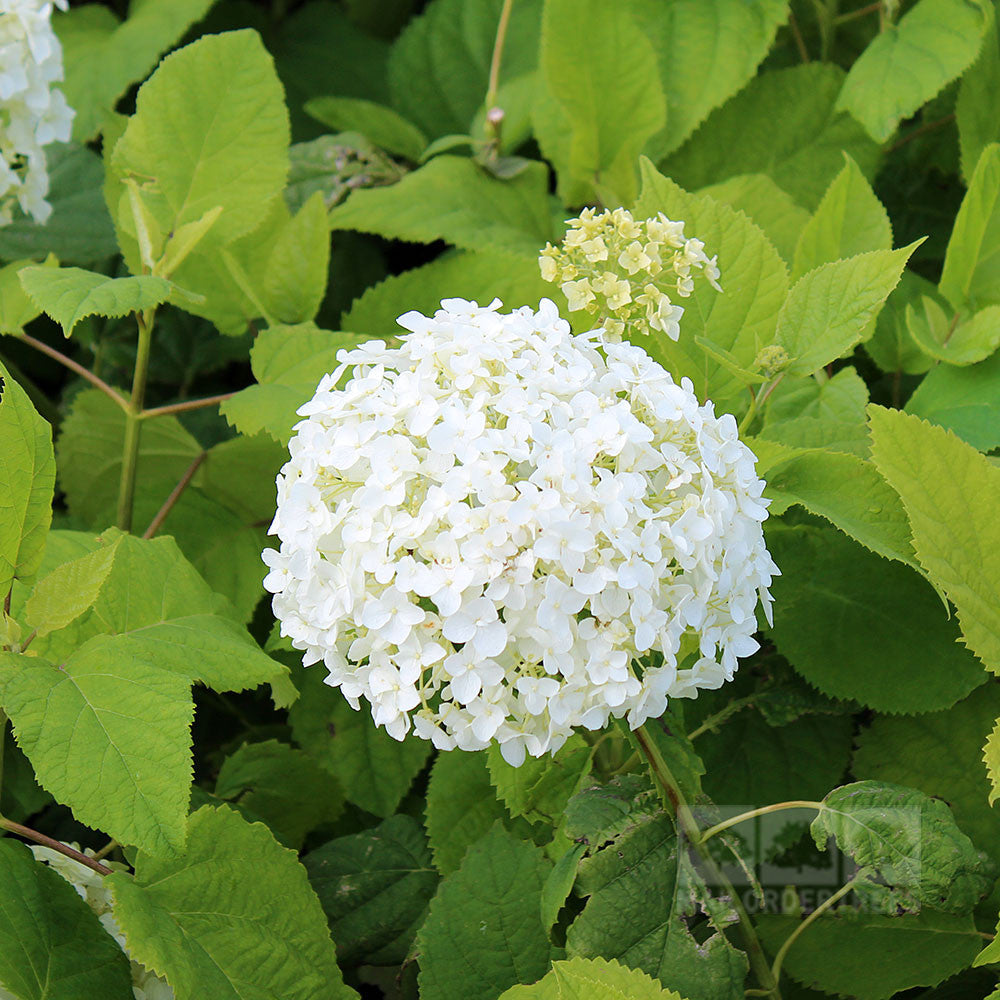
(763, 811)
(687, 827)
(133, 422)
(40, 838)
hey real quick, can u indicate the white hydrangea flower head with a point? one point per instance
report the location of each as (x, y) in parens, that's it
(499, 531)
(90, 888)
(624, 271)
(32, 112)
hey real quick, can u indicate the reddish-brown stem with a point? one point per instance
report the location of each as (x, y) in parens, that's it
(189, 404)
(75, 366)
(860, 12)
(41, 838)
(800, 42)
(175, 493)
(926, 127)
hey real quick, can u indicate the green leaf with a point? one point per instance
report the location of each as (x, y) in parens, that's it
(833, 596)
(16, 309)
(642, 893)
(377, 123)
(210, 129)
(234, 909)
(873, 957)
(104, 57)
(462, 806)
(742, 319)
(611, 98)
(976, 112)
(454, 199)
(374, 770)
(439, 66)
(830, 308)
(910, 62)
(991, 758)
(483, 932)
(559, 884)
(282, 786)
(891, 347)
(756, 195)
(240, 474)
(69, 294)
(789, 129)
(52, 946)
(971, 274)
(602, 812)
(939, 753)
(906, 840)
(963, 400)
(949, 491)
(850, 220)
(27, 479)
(591, 979)
(952, 340)
(375, 887)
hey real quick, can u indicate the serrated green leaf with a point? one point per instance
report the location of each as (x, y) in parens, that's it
(52, 946)
(234, 909)
(559, 884)
(377, 123)
(69, 294)
(950, 338)
(375, 887)
(591, 979)
(906, 840)
(939, 753)
(740, 320)
(859, 626)
(282, 786)
(642, 892)
(873, 957)
(27, 479)
(829, 309)
(789, 130)
(991, 758)
(850, 220)
(483, 932)
(949, 491)
(971, 274)
(891, 347)
(612, 100)
(910, 62)
(602, 812)
(976, 112)
(16, 309)
(240, 474)
(454, 199)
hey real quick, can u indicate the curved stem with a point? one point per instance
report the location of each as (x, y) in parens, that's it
(41, 838)
(821, 909)
(175, 493)
(763, 811)
(75, 366)
(689, 827)
(183, 407)
(133, 422)
(497, 58)
(106, 850)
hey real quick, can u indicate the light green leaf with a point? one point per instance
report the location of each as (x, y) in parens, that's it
(16, 309)
(872, 957)
(742, 319)
(963, 400)
(234, 909)
(971, 274)
(104, 57)
(591, 979)
(454, 199)
(829, 309)
(991, 758)
(891, 347)
(69, 294)
(52, 946)
(107, 736)
(294, 278)
(789, 130)
(849, 220)
(282, 786)
(240, 474)
(834, 596)
(483, 932)
(211, 129)
(643, 892)
(374, 887)
(462, 805)
(910, 62)
(780, 218)
(904, 840)
(950, 494)
(976, 113)
(612, 98)
(951, 339)
(27, 480)
(377, 123)
(941, 754)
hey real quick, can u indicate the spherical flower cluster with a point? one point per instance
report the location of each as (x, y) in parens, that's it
(32, 113)
(90, 888)
(500, 531)
(623, 271)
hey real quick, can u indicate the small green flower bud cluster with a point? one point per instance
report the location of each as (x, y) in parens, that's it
(624, 272)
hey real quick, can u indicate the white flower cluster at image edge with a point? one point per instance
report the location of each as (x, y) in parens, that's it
(90, 888)
(485, 529)
(32, 112)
